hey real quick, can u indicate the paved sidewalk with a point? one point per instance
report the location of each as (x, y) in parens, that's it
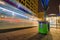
(30, 34)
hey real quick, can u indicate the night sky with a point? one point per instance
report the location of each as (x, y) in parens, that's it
(52, 8)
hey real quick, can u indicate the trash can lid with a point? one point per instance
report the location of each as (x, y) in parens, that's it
(43, 22)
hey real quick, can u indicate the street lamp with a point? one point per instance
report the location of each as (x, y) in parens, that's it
(43, 25)
(45, 6)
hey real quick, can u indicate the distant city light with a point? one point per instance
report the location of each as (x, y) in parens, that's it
(2, 16)
(52, 14)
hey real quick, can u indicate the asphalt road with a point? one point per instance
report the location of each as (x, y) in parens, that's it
(30, 34)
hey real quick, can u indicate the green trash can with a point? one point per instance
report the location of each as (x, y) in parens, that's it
(43, 27)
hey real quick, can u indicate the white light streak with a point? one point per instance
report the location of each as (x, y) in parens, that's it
(13, 12)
